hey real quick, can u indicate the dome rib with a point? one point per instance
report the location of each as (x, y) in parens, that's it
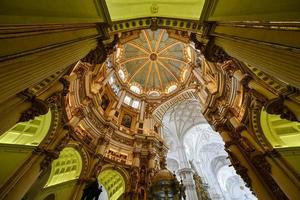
(154, 60)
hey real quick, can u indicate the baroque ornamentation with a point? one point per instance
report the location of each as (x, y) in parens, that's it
(39, 107)
(264, 168)
(211, 52)
(99, 55)
(276, 107)
(240, 170)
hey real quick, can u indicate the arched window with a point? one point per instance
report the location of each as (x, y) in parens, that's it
(66, 167)
(28, 133)
(116, 89)
(113, 183)
(127, 100)
(121, 74)
(111, 80)
(135, 89)
(135, 104)
(154, 93)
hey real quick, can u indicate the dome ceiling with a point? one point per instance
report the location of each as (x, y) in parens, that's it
(154, 62)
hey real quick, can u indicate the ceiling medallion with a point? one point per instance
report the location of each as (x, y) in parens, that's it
(154, 8)
(153, 56)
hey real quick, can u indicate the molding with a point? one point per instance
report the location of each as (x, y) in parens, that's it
(158, 22)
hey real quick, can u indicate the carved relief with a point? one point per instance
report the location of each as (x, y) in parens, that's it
(39, 107)
(99, 55)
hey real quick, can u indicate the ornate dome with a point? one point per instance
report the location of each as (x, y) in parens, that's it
(154, 62)
(163, 175)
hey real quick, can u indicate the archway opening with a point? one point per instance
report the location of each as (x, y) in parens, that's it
(66, 167)
(280, 133)
(29, 133)
(113, 183)
(284, 136)
(19, 142)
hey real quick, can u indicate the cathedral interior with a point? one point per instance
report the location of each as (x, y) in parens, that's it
(150, 99)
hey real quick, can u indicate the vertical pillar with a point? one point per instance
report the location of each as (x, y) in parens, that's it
(277, 62)
(186, 173)
(28, 70)
(142, 110)
(198, 76)
(279, 175)
(78, 115)
(112, 111)
(36, 165)
(259, 188)
(136, 158)
(187, 176)
(25, 182)
(108, 75)
(182, 156)
(122, 96)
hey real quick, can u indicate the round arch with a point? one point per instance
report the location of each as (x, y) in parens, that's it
(85, 157)
(218, 162)
(280, 132)
(29, 133)
(66, 167)
(234, 187)
(113, 182)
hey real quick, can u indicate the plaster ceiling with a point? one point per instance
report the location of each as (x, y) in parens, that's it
(131, 9)
(182, 117)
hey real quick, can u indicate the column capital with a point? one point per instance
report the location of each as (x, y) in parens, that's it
(50, 155)
(276, 107)
(100, 53)
(209, 49)
(39, 107)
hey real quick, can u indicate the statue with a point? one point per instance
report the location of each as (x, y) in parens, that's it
(92, 191)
